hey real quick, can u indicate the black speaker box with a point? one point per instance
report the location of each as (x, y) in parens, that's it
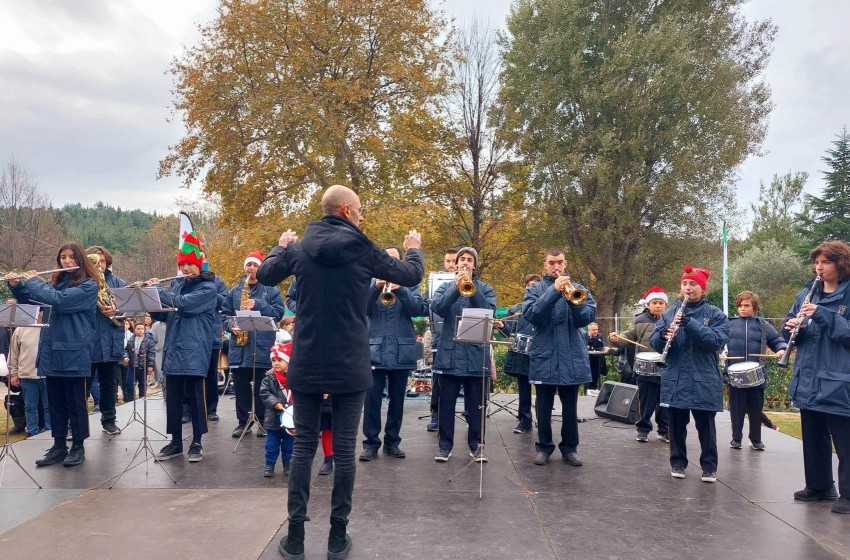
(618, 401)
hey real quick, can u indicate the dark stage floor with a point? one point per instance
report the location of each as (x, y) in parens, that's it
(622, 504)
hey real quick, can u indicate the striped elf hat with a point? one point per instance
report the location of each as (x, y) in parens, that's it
(190, 251)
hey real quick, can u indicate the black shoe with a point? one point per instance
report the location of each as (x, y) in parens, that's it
(368, 454)
(758, 446)
(735, 444)
(269, 470)
(76, 456)
(573, 459)
(522, 428)
(663, 437)
(809, 495)
(186, 419)
(212, 417)
(443, 455)
(196, 453)
(54, 455)
(642, 437)
(677, 473)
(261, 432)
(327, 467)
(841, 505)
(170, 451)
(111, 429)
(478, 456)
(239, 429)
(286, 468)
(17, 429)
(542, 458)
(708, 476)
(339, 542)
(394, 452)
(291, 546)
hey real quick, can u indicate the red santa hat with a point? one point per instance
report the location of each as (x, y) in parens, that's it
(255, 257)
(698, 275)
(282, 351)
(655, 292)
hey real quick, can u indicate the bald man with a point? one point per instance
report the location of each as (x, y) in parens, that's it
(334, 263)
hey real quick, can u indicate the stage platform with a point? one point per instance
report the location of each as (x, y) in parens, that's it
(622, 504)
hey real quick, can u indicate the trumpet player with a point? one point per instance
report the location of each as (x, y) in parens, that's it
(392, 343)
(690, 378)
(458, 364)
(558, 309)
(249, 361)
(107, 345)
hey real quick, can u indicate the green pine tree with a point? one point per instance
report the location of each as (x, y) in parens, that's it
(829, 215)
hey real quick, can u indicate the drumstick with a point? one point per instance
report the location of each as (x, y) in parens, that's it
(638, 344)
(734, 357)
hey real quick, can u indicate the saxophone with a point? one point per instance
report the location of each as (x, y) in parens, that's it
(242, 336)
(104, 296)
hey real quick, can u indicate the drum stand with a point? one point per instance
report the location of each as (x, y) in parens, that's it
(253, 324)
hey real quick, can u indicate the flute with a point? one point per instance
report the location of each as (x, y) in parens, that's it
(19, 276)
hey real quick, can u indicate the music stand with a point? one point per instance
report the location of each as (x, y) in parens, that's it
(139, 301)
(475, 325)
(24, 316)
(254, 324)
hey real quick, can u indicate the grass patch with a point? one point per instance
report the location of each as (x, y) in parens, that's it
(13, 438)
(787, 422)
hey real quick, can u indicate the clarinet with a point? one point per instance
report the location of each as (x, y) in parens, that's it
(675, 323)
(783, 362)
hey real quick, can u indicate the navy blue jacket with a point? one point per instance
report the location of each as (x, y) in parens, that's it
(392, 338)
(821, 378)
(516, 363)
(691, 377)
(268, 301)
(334, 262)
(107, 345)
(189, 331)
(745, 339)
(558, 350)
(64, 348)
(460, 358)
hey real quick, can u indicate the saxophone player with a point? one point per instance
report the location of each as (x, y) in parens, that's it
(107, 345)
(248, 360)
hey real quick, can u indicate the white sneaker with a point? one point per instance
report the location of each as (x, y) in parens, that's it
(592, 393)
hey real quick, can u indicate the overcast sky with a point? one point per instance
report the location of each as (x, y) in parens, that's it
(84, 102)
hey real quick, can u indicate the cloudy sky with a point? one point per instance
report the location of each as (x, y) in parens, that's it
(84, 102)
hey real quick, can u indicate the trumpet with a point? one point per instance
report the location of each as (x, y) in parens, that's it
(675, 325)
(387, 296)
(43, 272)
(467, 286)
(575, 296)
(792, 338)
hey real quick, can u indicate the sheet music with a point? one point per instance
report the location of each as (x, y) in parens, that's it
(247, 313)
(475, 325)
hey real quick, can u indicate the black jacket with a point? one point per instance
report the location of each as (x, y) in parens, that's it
(334, 263)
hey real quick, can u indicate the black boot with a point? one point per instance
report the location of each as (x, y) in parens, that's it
(339, 542)
(291, 546)
(327, 467)
(55, 454)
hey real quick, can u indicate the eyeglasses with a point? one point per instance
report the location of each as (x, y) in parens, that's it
(361, 211)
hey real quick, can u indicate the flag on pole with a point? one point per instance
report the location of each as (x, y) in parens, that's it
(725, 270)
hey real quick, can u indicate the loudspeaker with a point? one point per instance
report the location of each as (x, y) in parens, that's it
(617, 401)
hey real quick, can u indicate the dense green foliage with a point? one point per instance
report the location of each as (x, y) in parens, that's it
(106, 225)
(829, 214)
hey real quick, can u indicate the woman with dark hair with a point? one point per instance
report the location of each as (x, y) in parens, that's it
(64, 353)
(820, 384)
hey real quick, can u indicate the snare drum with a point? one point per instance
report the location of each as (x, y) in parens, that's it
(646, 364)
(521, 343)
(287, 419)
(744, 375)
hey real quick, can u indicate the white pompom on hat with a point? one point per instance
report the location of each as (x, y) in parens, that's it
(655, 292)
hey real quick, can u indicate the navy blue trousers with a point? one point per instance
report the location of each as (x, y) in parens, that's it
(395, 381)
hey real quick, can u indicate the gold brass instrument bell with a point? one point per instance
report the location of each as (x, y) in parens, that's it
(387, 296)
(467, 286)
(575, 296)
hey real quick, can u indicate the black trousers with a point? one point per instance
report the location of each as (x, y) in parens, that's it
(135, 376)
(750, 402)
(212, 382)
(649, 398)
(242, 386)
(821, 431)
(449, 390)
(191, 386)
(524, 392)
(107, 377)
(395, 381)
(66, 400)
(704, 419)
(569, 425)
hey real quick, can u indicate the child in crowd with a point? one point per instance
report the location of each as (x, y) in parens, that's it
(139, 359)
(23, 349)
(276, 396)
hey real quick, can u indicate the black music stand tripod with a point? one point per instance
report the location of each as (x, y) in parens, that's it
(20, 316)
(253, 324)
(139, 303)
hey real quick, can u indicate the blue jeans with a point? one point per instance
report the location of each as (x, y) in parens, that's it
(278, 443)
(396, 383)
(33, 390)
(346, 417)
